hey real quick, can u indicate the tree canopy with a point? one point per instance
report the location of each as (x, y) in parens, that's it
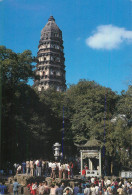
(32, 122)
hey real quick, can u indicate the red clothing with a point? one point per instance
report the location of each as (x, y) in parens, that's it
(83, 172)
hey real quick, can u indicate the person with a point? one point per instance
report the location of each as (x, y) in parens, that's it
(46, 188)
(34, 188)
(60, 170)
(59, 190)
(27, 166)
(16, 185)
(52, 190)
(83, 174)
(70, 190)
(80, 191)
(67, 192)
(87, 190)
(120, 190)
(63, 171)
(41, 189)
(31, 167)
(53, 170)
(19, 169)
(3, 188)
(71, 169)
(97, 189)
(75, 190)
(93, 190)
(39, 167)
(109, 189)
(23, 167)
(63, 185)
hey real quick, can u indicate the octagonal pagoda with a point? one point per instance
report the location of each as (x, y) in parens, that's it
(50, 66)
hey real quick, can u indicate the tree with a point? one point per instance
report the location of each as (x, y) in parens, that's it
(16, 69)
(87, 105)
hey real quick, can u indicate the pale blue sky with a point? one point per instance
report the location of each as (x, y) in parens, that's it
(97, 35)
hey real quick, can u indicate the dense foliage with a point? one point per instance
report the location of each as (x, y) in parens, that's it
(32, 122)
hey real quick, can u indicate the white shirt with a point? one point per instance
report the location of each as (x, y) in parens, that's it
(36, 162)
(66, 167)
(92, 180)
(53, 166)
(50, 164)
(108, 182)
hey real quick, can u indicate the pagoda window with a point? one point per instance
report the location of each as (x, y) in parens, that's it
(58, 59)
(58, 88)
(52, 59)
(44, 58)
(51, 72)
(58, 73)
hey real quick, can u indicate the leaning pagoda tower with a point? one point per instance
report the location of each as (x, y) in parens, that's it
(50, 66)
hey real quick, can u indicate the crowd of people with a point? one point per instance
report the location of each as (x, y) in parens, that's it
(89, 186)
(47, 168)
(93, 186)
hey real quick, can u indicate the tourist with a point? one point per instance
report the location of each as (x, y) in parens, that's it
(63, 171)
(46, 188)
(23, 167)
(76, 189)
(39, 165)
(70, 190)
(104, 191)
(50, 168)
(36, 167)
(63, 185)
(59, 190)
(60, 170)
(3, 188)
(41, 189)
(120, 190)
(34, 188)
(93, 190)
(92, 180)
(87, 190)
(68, 168)
(19, 169)
(67, 192)
(53, 170)
(71, 169)
(27, 166)
(109, 189)
(108, 182)
(97, 189)
(80, 191)
(16, 185)
(31, 167)
(52, 190)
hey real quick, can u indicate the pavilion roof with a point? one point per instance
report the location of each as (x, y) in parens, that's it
(91, 143)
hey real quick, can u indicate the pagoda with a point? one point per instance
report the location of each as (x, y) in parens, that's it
(51, 62)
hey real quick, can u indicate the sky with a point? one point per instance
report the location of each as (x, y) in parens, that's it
(97, 36)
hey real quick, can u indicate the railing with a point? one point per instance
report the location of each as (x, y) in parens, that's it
(90, 173)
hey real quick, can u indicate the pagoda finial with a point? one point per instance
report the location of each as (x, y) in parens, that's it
(51, 18)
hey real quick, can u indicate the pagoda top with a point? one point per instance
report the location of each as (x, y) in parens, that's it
(51, 18)
(51, 26)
